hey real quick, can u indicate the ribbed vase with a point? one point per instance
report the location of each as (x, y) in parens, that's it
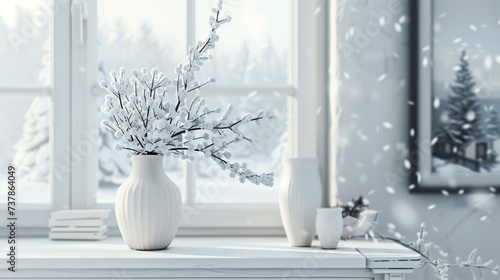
(299, 197)
(148, 205)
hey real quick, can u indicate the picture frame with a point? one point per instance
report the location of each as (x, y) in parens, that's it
(454, 139)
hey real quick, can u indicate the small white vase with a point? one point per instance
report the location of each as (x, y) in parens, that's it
(329, 227)
(299, 197)
(148, 205)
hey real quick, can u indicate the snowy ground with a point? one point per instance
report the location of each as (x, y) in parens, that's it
(443, 166)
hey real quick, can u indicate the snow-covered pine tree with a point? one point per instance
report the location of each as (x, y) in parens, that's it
(464, 107)
(33, 150)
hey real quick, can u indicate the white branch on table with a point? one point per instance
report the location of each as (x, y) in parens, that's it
(441, 267)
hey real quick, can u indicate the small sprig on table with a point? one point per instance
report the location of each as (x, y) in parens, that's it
(441, 267)
(148, 124)
(354, 207)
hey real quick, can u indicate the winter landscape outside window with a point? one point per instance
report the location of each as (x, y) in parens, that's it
(54, 98)
(25, 46)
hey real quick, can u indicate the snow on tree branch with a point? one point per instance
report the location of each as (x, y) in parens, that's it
(148, 124)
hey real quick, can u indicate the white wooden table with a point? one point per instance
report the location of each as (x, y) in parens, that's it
(210, 257)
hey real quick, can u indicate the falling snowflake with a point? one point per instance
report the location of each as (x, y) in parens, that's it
(472, 27)
(457, 40)
(425, 62)
(488, 62)
(386, 148)
(432, 206)
(407, 164)
(362, 136)
(436, 102)
(397, 27)
(443, 253)
(412, 132)
(382, 77)
(411, 187)
(390, 189)
(387, 125)
(318, 9)
(445, 192)
(252, 94)
(470, 116)
(426, 48)
(381, 21)
(483, 218)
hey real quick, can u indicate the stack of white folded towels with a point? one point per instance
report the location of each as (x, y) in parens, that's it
(85, 224)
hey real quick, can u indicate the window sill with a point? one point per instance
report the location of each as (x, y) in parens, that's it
(216, 257)
(197, 220)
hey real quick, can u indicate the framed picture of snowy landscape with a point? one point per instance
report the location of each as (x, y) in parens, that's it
(455, 96)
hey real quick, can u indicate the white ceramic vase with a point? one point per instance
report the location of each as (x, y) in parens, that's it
(299, 197)
(148, 205)
(329, 227)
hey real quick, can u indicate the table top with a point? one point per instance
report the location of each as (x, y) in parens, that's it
(212, 252)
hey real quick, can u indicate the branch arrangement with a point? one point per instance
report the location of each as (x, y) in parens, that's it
(440, 266)
(148, 124)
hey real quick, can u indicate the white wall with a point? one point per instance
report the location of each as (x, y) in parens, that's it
(368, 100)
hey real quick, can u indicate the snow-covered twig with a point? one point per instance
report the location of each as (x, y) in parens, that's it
(441, 267)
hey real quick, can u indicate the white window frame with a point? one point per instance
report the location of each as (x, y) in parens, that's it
(74, 118)
(34, 217)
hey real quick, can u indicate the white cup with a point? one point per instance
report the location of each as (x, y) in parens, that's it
(329, 227)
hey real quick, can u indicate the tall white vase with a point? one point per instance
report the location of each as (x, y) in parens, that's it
(148, 205)
(299, 197)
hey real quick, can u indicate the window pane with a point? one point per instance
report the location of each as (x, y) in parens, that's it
(24, 138)
(253, 48)
(24, 42)
(134, 37)
(214, 185)
(136, 34)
